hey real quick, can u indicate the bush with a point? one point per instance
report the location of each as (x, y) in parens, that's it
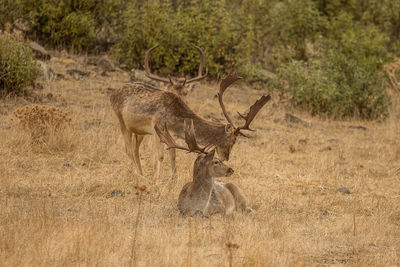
(9, 11)
(292, 23)
(18, 67)
(332, 84)
(76, 30)
(212, 25)
(42, 122)
(353, 38)
(79, 24)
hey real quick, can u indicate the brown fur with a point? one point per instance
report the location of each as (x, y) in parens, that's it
(140, 107)
(207, 197)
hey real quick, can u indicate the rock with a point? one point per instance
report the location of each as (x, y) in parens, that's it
(328, 148)
(359, 127)
(303, 141)
(46, 73)
(333, 140)
(324, 212)
(67, 164)
(344, 190)
(77, 74)
(103, 62)
(59, 76)
(293, 119)
(65, 61)
(38, 86)
(116, 193)
(39, 51)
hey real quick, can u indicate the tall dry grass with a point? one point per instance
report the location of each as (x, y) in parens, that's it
(78, 205)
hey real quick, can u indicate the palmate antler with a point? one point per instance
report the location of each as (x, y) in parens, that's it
(199, 76)
(190, 138)
(254, 109)
(225, 83)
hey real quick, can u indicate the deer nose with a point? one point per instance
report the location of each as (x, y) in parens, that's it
(230, 171)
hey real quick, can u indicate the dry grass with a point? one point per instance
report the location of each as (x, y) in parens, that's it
(77, 205)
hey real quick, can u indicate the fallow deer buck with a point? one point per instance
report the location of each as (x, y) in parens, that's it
(204, 195)
(140, 107)
(178, 85)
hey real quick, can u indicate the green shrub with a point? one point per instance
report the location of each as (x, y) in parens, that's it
(9, 10)
(333, 84)
(73, 23)
(231, 36)
(206, 24)
(18, 67)
(292, 23)
(76, 29)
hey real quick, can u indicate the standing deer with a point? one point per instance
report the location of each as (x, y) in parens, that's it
(178, 85)
(140, 107)
(204, 195)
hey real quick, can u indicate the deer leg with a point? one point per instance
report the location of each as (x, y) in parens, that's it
(127, 140)
(172, 157)
(130, 146)
(240, 200)
(138, 140)
(159, 153)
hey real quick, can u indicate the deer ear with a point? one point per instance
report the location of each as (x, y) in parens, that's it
(192, 87)
(210, 155)
(228, 128)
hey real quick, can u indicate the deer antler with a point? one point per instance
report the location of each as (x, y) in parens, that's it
(147, 67)
(200, 75)
(225, 83)
(254, 109)
(167, 139)
(190, 138)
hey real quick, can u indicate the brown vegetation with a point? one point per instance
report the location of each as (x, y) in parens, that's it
(79, 206)
(42, 121)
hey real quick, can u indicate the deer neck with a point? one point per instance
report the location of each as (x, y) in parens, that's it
(203, 182)
(207, 132)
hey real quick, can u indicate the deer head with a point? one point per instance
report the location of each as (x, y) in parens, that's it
(231, 131)
(205, 160)
(177, 85)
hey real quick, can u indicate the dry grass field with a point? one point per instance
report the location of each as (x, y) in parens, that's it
(72, 200)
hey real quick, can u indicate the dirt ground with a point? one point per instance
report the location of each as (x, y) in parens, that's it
(73, 202)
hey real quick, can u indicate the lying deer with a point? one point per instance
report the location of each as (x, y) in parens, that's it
(204, 195)
(178, 85)
(139, 107)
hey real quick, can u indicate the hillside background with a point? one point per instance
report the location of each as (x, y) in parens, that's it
(321, 172)
(327, 57)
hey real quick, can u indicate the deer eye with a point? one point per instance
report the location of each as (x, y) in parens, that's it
(215, 162)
